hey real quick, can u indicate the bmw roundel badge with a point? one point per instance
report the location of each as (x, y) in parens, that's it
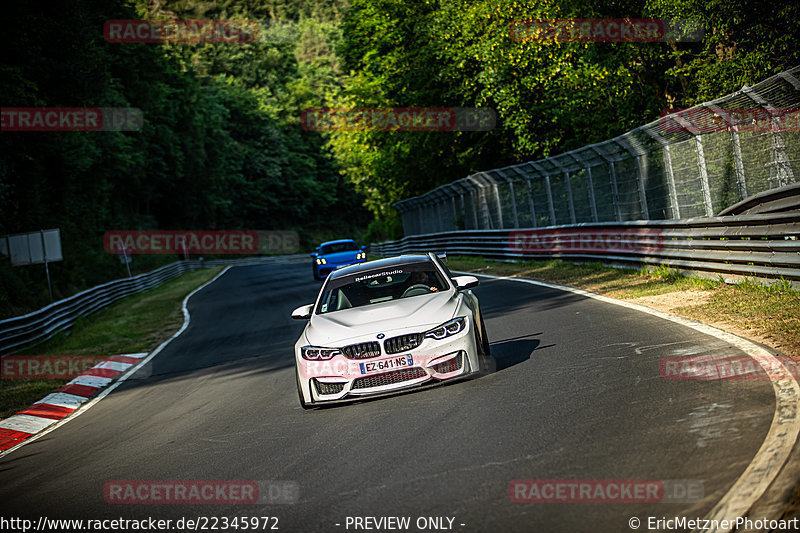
(381, 335)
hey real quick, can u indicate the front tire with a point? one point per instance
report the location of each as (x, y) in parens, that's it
(300, 393)
(484, 350)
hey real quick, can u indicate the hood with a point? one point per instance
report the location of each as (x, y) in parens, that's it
(417, 313)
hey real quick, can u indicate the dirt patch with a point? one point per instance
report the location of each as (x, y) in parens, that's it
(692, 304)
(670, 301)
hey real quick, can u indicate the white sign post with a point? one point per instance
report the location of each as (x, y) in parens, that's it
(125, 258)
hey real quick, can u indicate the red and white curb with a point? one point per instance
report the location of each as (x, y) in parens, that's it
(64, 401)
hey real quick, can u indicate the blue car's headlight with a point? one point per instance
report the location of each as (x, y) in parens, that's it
(315, 353)
(321, 261)
(361, 255)
(447, 329)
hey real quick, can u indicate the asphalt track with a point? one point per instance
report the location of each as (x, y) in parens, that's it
(576, 395)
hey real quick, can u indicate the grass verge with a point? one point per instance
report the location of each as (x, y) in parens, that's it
(137, 323)
(769, 314)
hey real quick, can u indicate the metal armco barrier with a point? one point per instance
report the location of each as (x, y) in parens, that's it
(689, 163)
(23, 331)
(763, 245)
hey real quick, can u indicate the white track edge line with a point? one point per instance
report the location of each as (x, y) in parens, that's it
(774, 452)
(123, 377)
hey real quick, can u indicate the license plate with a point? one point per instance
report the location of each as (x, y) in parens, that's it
(387, 364)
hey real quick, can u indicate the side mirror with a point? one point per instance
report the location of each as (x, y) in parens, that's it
(313, 254)
(364, 248)
(303, 312)
(465, 282)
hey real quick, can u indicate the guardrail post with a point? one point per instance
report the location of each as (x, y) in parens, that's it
(673, 191)
(612, 174)
(781, 166)
(551, 207)
(570, 202)
(589, 183)
(675, 207)
(531, 205)
(487, 216)
(463, 208)
(528, 193)
(550, 200)
(736, 144)
(512, 195)
(434, 224)
(641, 172)
(701, 160)
(612, 171)
(443, 223)
(491, 181)
(738, 164)
(428, 216)
(499, 205)
(487, 213)
(590, 186)
(701, 165)
(513, 204)
(780, 170)
(474, 209)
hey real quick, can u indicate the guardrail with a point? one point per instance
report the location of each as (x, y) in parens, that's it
(765, 245)
(778, 200)
(23, 331)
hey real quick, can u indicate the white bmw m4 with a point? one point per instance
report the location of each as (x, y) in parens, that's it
(388, 325)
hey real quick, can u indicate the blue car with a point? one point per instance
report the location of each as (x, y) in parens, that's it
(334, 254)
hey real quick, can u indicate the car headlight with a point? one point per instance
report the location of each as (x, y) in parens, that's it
(321, 261)
(447, 329)
(361, 255)
(315, 353)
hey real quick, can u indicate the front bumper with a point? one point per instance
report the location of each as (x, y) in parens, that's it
(324, 270)
(342, 378)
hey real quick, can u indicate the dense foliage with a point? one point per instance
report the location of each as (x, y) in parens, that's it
(222, 146)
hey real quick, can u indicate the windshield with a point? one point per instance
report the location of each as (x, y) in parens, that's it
(337, 247)
(381, 285)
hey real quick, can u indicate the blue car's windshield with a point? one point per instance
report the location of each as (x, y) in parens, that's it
(337, 247)
(381, 285)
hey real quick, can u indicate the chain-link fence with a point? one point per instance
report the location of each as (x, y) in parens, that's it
(689, 163)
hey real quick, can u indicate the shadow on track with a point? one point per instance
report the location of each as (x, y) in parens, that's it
(511, 352)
